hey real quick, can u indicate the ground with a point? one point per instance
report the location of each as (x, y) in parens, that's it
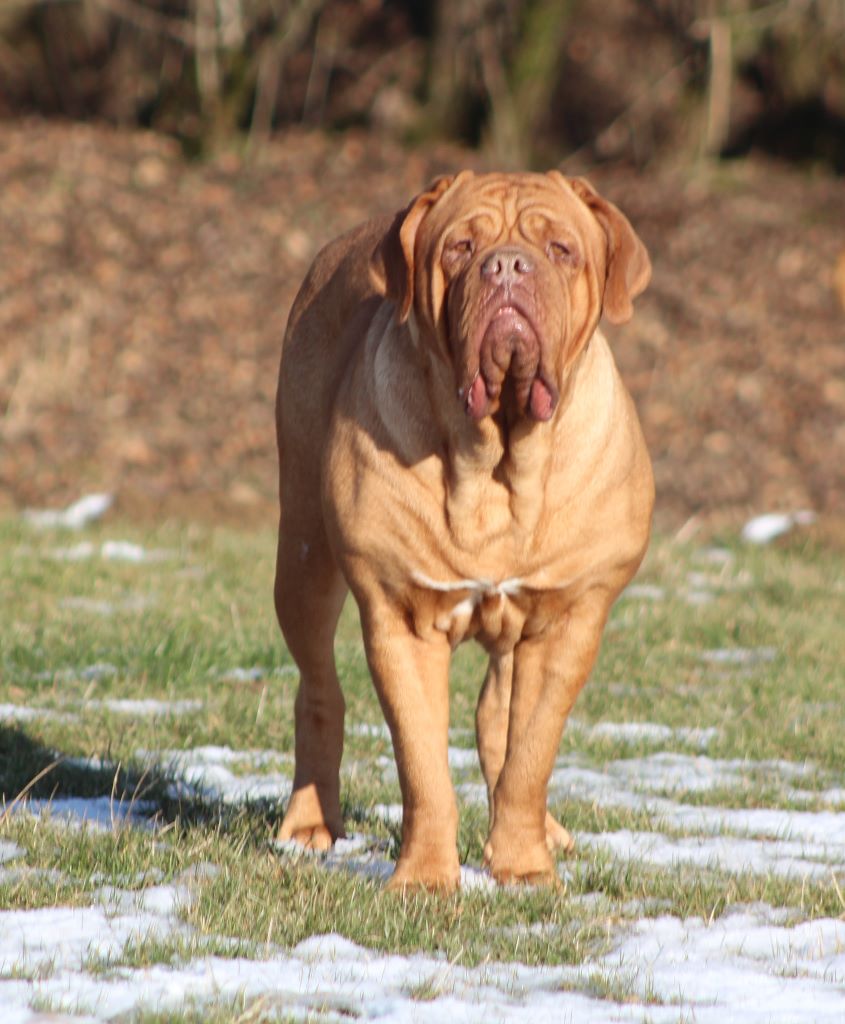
(143, 299)
(144, 689)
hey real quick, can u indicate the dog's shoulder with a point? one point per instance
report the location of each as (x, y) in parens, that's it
(339, 274)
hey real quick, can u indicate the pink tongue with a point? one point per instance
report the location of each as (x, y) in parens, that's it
(476, 400)
(540, 400)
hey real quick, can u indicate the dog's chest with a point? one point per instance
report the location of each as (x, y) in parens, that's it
(495, 612)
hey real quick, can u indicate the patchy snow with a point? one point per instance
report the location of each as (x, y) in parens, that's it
(203, 773)
(463, 758)
(743, 967)
(88, 673)
(786, 858)
(255, 673)
(110, 551)
(75, 516)
(10, 851)
(622, 780)
(739, 655)
(755, 965)
(73, 552)
(644, 592)
(390, 814)
(99, 812)
(243, 675)
(649, 732)
(750, 966)
(820, 828)
(125, 551)
(765, 528)
(95, 606)
(374, 731)
(22, 713)
(58, 940)
(147, 707)
(212, 755)
(715, 556)
(633, 782)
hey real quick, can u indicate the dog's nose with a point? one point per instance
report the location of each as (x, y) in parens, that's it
(506, 265)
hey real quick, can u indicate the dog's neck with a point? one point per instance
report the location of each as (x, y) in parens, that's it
(496, 469)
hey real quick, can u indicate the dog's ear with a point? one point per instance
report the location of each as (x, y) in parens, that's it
(392, 261)
(628, 265)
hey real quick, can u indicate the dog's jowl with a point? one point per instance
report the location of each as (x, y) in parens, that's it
(457, 448)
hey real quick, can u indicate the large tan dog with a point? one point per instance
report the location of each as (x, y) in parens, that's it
(457, 447)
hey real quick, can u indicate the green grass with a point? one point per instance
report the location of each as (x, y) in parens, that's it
(178, 625)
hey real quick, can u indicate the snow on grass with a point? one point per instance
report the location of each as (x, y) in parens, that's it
(754, 964)
(137, 708)
(101, 812)
(750, 965)
(21, 713)
(255, 673)
(744, 966)
(93, 606)
(82, 512)
(147, 707)
(10, 851)
(368, 730)
(109, 551)
(785, 858)
(622, 782)
(649, 732)
(644, 592)
(206, 773)
(87, 673)
(766, 527)
(738, 655)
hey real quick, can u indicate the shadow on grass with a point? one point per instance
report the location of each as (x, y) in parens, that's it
(30, 770)
(27, 768)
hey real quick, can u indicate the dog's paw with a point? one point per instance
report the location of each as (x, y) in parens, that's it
(518, 862)
(306, 825)
(427, 875)
(309, 837)
(557, 837)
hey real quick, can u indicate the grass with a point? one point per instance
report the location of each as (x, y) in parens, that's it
(79, 634)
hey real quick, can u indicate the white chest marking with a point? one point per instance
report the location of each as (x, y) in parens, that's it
(478, 588)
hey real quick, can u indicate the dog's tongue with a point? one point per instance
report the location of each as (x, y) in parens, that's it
(541, 402)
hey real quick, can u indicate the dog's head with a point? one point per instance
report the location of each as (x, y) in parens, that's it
(507, 276)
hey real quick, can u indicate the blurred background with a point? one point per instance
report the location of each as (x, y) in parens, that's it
(168, 168)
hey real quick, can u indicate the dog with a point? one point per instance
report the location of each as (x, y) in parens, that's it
(457, 448)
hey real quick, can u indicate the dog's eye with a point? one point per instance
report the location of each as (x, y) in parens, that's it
(463, 247)
(457, 254)
(563, 252)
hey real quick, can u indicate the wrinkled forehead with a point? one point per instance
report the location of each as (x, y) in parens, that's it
(509, 200)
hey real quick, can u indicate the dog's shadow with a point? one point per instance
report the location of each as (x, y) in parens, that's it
(37, 776)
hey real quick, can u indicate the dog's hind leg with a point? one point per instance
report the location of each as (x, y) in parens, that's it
(491, 721)
(491, 728)
(309, 595)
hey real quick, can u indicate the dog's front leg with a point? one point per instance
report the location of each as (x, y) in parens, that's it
(549, 670)
(491, 726)
(411, 676)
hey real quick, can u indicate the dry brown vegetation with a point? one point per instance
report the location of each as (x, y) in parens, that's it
(142, 301)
